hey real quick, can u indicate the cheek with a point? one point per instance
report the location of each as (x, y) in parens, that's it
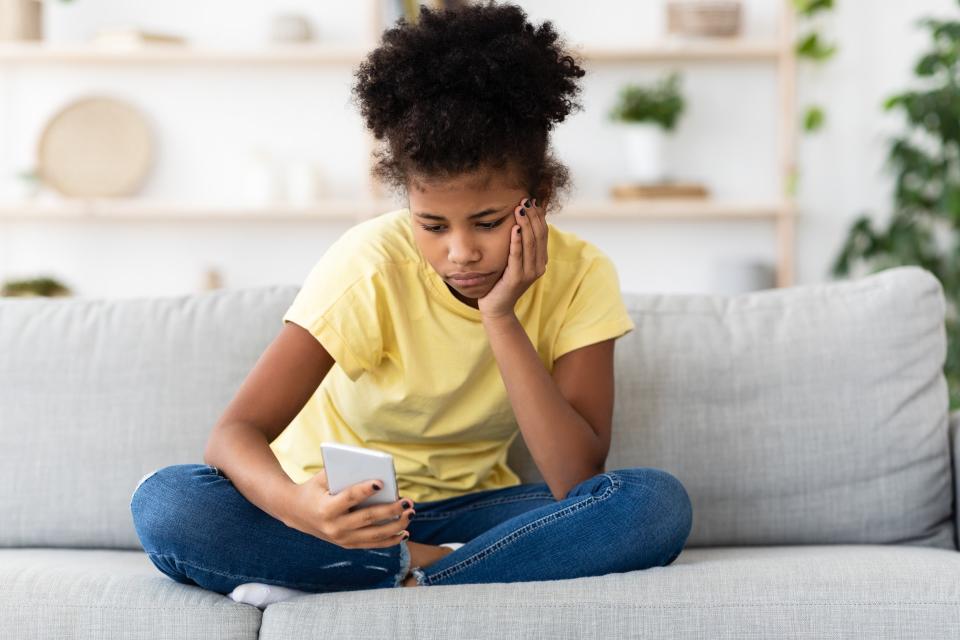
(500, 246)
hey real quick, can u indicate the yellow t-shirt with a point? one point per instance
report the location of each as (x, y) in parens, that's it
(415, 376)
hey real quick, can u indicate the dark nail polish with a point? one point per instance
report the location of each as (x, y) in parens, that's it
(526, 203)
(523, 212)
(376, 487)
(405, 504)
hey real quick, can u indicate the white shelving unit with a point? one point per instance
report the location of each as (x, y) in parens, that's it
(778, 52)
(116, 209)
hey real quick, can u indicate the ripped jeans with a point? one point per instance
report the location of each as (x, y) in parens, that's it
(198, 529)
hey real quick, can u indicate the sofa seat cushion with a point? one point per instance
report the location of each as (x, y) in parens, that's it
(869, 591)
(87, 593)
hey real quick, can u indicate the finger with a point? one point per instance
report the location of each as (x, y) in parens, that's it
(320, 477)
(367, 516)
(355, 494)
(367, 541)
(389, 532)
(529, 242)
(533, 220)
(515, 259)
(538, 219)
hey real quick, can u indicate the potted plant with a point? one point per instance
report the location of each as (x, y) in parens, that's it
(924, 228)
(647, 114)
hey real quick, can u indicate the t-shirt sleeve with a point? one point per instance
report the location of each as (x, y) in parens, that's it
(339, 305)
(596, 312)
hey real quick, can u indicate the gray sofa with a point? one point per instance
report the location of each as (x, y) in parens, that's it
(809, 425)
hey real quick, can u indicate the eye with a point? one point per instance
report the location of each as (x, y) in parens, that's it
(486, 226)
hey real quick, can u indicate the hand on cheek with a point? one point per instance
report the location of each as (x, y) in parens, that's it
(526, 261)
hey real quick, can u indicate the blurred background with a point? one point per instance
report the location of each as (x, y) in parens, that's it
(724, 146)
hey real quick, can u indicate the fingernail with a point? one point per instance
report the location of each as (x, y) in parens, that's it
(523, 212)
(376, 487)
(405, 504)
(526, 202)
(406, 536)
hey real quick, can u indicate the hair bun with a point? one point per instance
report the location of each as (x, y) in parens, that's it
(483, 62)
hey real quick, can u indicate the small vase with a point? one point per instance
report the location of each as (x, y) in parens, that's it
(644, 147)
(261, 184)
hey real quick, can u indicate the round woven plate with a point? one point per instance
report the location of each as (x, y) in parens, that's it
(95, 147)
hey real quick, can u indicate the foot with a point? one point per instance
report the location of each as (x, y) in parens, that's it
(423, 555)
(260, 595)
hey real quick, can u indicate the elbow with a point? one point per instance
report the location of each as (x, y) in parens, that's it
(208, 452)
(561, 492)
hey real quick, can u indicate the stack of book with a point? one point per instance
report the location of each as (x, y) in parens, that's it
(133, 37)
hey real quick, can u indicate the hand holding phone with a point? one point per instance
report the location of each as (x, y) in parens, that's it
(355, 515)
(347, 465)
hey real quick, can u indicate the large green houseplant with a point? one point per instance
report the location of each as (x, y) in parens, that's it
(924, 229)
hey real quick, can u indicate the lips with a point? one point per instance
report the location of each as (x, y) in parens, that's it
(469, 282)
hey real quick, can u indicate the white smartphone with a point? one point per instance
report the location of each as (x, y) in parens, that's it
(347, 465)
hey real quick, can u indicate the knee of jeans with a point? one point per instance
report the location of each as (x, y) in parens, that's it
(678, 504)
(140, 483)
(672, 500)
(159, 504)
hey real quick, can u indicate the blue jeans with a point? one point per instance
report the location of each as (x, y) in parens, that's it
(198, 529)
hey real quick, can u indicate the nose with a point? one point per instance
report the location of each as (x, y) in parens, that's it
(462, 249)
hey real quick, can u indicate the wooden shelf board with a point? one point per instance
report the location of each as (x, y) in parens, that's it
(318, 53)
(357, 209)
(721, 49)
(89, 53)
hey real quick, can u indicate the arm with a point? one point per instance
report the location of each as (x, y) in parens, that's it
(274, 392)
(565, 419)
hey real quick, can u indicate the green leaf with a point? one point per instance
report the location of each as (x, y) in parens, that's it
(928, 64)
(661, 103)
(813, 118)
(807, 8)
(810, 46)
(892, 102)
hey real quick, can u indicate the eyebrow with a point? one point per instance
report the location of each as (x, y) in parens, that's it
(479, 214)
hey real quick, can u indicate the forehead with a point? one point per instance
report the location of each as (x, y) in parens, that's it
(485, 180)
(463, 197)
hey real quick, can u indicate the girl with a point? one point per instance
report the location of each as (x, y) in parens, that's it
(437, 333)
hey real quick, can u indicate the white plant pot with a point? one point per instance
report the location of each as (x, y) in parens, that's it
(644, 148)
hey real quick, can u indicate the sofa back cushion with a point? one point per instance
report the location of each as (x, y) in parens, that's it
(96, 393)
(816, 414)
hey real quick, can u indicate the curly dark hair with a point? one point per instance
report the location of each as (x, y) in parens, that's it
(466, 89)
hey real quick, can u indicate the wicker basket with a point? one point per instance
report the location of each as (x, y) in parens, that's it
(717, 18)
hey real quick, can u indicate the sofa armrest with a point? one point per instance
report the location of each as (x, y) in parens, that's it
(955, 464)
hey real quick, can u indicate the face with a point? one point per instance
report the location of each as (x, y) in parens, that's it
(462, 225)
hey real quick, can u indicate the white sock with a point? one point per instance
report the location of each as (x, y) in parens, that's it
(260, 595)
(452, 545)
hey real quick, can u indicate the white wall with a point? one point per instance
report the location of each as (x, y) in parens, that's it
(208, 118)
